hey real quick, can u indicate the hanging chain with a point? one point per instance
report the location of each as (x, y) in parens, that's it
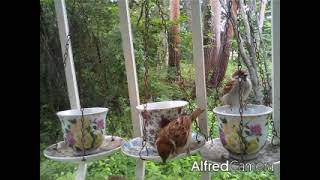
(144, 133)
(65, 56)
(111, 124)
(189, 98)
(66, 51)
(243, 144)
(146, 82)
(274, 134)
(162, 14)
(216, 97)
(96, 40)
(265, 81)
(265, 66)
(82, 135)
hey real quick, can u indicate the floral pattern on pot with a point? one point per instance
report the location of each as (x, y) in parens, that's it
(84, 134)
(154, 118)
(254, 133)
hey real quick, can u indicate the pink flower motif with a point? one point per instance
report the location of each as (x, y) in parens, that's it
(222, 137)
(100, 124)
(255, 130)
(69, 138)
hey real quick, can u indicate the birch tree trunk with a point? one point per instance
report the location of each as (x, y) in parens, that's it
(249, 58)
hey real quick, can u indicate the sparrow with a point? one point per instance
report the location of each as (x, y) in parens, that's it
(175, 136)
(231, 89)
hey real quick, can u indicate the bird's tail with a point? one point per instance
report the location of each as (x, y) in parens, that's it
(196, 113)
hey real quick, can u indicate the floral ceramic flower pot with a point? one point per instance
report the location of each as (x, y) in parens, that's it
(254, 132)
(158, 112)
(83, 137)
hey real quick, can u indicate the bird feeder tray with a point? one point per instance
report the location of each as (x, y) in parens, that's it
(133, 147)
(64, 153)
(213, 151)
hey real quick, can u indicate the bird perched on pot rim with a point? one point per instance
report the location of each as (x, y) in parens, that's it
(231, 89)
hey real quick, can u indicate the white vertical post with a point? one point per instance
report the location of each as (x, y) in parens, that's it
(69, 66)
(82, 171)
(198, 60)
(73, 93)
(127, 45)
(276, 169)
(275, 10)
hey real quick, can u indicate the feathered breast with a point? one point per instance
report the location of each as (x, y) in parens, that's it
(229, 85)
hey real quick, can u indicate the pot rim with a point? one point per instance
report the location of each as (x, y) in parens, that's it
(268, 110)
(77, 112)
(162, 105)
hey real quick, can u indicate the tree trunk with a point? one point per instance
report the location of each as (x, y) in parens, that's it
(221, 63)
(262, 14)
(212, 39)
(187, 6)
(163, 50)
(221, 60)
(174, 41)
(250, 57)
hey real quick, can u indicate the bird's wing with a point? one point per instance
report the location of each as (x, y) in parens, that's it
(227, 88)
(164, 122)
(179, 129)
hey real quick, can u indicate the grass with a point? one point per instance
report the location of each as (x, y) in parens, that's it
(120, 165)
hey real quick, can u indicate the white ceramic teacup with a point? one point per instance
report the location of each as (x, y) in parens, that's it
(254, 133)
(87, 134)
(156, 112)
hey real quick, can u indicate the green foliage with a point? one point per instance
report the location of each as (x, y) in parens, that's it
(253, 175)
(51, 170)
(121, 165)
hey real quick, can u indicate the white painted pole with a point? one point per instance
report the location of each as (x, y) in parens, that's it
(127, 45)
(69, 66)
(82, 171)
(275, 10)
(73, 93)
(276, 169)
(198, 60)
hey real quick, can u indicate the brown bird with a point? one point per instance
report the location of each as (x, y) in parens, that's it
(231, 89)
(175, 136)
